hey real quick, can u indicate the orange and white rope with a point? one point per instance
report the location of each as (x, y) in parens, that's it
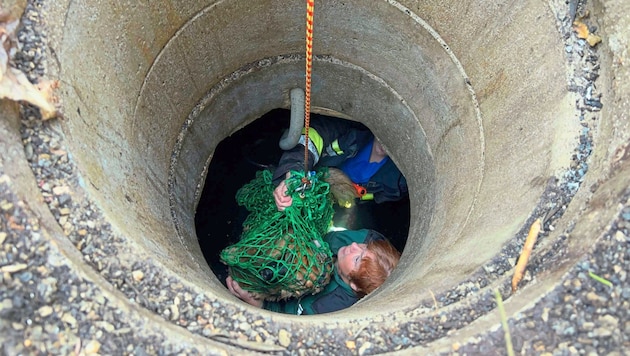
(310, 7)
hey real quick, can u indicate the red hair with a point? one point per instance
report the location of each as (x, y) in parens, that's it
(373, 272)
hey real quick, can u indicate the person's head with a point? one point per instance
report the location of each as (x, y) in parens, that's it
(365, 267)
(378, 149)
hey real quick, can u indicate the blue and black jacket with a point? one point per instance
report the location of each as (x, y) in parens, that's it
(331, 142)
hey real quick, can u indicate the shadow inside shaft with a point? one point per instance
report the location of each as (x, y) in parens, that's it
(218, 219)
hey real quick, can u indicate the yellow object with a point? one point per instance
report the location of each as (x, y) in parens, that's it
(519, 270)
(335, 146)
(582, 31)
(368, 196)
(317, 140)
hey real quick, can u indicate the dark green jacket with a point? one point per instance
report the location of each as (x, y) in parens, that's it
(337, 295)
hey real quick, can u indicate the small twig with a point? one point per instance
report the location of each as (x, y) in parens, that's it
(519, 270)
(139, 297)
(573, 5)
(504, 323)
(600, 279)
(358, 332)
(246, 344)
(434, 300)
(551, 213)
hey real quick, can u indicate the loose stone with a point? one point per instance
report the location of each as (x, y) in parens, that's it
(45, 311)
(284, 337)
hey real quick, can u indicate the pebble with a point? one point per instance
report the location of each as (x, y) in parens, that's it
(620, 236)
(284, 338)
(545, 315)
(92, 347)
(365, 347)
(6, 207)
(61, 190)
(609, 320)
(107, 327)
(45, 311)
(6, 304)
(595, 299)
(25, 277)
(28, 151)
(244, 326)
(69, 319)
(13, 268)
(51, 329)
(174, 311)
(137, 275)
(602, 332)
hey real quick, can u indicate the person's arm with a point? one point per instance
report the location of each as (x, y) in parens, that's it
(285, 306)
(282, 200)
(323, 132)
(291, 160)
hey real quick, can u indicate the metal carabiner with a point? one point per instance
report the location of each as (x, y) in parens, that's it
(302, 190)
(306, 184)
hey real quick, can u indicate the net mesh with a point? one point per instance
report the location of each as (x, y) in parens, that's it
(282, 254)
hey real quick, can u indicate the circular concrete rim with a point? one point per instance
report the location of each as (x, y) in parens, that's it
(145, 128)
(482, 103)
(190, 159)
(440, 127)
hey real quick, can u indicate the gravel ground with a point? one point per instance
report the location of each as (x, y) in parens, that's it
(47, 308)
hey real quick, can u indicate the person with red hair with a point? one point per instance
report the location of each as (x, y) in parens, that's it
(363, 260)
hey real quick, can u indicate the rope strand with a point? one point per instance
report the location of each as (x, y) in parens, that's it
(310, 6)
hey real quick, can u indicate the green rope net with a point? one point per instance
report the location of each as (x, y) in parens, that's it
(282, 254)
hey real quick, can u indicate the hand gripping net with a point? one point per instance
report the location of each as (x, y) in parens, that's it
(282, 254)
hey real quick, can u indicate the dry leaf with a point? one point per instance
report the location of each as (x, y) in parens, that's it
(14, 85)
(582, 31)
(593, 39)
(7, 40)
